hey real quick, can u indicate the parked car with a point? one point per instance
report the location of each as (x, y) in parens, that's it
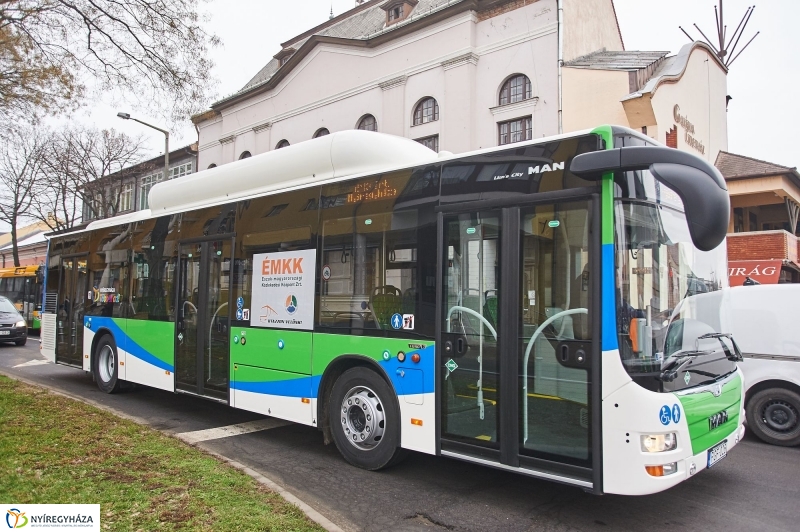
(13, 327)
(766, 326)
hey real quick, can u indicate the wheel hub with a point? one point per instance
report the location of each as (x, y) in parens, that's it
(362, 418)
(780, 416)
(105, 363)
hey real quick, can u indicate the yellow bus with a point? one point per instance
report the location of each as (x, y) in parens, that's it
(23, 286)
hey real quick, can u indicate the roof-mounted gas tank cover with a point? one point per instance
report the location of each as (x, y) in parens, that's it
(698, 183)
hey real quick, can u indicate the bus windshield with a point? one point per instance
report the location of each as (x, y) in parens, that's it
(668, 299)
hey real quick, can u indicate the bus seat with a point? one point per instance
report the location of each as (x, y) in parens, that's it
(490, 310)
(384, 302)
(409, 301)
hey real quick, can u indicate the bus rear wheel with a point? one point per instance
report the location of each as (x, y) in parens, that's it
(105, 365)
(365, 420)
(774, 416)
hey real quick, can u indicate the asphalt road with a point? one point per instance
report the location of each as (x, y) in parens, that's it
(756, 487)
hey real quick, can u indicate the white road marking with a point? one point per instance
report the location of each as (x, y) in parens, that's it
(32, 363)
(196, 436)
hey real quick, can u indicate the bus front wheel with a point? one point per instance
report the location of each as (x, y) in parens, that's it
(105, 365)
(365, 420)
(774, 416)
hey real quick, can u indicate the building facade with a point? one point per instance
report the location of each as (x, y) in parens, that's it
(763, 240)
(679, 100)
(456, 75)
(126, 191)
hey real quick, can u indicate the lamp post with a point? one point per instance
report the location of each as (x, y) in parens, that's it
(127, 116)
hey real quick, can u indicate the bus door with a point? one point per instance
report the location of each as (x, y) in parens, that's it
(73, 296)
(515, 342)
(203, 321)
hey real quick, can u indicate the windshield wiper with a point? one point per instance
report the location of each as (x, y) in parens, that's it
(736, 356)
(687, 357)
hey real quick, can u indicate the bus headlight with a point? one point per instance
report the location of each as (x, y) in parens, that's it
(658, 443)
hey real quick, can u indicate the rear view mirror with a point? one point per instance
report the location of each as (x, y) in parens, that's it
(698, 183)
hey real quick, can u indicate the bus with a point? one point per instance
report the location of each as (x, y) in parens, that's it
(22, 286)
(533, 307)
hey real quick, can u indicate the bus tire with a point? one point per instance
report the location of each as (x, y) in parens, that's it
(365, 420)
(774, 416)
(105, 364)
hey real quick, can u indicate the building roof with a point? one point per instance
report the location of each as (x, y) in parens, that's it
(147, 166)
(617, 60)
(672, 69)
(23, 233)
(361, 23)
(734, 166)
(364, 25)
(31, 240)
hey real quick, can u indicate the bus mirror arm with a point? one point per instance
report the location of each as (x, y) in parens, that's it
(699, 184)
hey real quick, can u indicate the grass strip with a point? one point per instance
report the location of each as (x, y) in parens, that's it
(57, 450)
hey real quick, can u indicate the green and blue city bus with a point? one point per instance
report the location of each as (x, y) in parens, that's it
(547, 307)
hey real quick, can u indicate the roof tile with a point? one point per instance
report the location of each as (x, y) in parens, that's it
(616, 60)
(732, 165)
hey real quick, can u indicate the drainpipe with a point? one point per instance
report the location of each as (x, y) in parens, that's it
(560, 4)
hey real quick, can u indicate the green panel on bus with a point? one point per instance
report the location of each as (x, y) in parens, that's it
(328, 347)
(272, 348)
(700, 406)
(155, 337)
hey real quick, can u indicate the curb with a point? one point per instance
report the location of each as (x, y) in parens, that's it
(307, 509)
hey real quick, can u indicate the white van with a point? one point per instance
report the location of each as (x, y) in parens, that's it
(766, 326)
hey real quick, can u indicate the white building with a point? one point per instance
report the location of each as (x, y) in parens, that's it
(456, 75)
(680, 100)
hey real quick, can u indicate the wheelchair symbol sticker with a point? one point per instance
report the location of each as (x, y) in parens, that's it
(676, 413)
(666, 415)
(397, 321)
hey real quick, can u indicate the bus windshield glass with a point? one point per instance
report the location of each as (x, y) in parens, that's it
(668, 294)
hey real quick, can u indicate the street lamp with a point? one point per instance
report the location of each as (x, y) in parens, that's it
(127, 116)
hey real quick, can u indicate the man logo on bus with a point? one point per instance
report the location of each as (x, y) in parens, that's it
(291, 304)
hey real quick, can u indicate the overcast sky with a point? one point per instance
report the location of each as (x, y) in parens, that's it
(763, 81)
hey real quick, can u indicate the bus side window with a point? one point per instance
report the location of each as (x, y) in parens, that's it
(378, 257)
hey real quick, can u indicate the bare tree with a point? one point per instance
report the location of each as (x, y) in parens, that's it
(154, 51)
(20, 173)
(85, 169)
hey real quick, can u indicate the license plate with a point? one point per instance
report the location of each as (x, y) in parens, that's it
(5, 333)
(717, 453)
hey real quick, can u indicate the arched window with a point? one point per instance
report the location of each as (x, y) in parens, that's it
(282, 144)
(368, 123)
(427, 110)
(245, 155)
(515, 89)
(212, 165)
(321, 132)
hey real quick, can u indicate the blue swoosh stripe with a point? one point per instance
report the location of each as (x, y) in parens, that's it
(95, 323)
(309, 386)
(300, 387)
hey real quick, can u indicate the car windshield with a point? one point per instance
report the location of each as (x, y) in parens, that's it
(668, 299)
(7, 306)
